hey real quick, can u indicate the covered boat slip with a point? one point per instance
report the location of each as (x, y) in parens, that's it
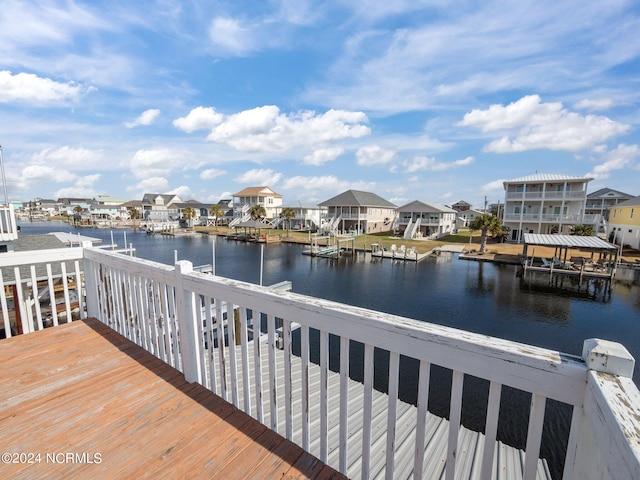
(574, 255)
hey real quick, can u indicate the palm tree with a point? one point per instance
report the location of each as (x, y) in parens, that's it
(288, 213)
(189, 213)
(582, 230)
(487, 224)
(134, 214)
(216, 211)
(258, 212)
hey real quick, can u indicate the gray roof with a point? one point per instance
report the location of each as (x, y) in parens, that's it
(353, 198)
(425, 207)
(252, 224)
(26, 243)
(606, 192)
(630, 203)
(574, 241)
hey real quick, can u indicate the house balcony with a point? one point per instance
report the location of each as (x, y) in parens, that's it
(571, 196)
(159, 353)
(555, 219)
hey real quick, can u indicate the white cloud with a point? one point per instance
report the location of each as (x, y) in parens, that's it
(265, 129)
(233, 36)
(46, 173)
(259, 177)
(73, 158)
(595, 104)
(146, 118)
(374, 155)
(534, 125)
(329, 183)
(27, 87)
(323, 155)
(183, 191)
(200, 118)
(84, 187)
(150, 185)
(493, 186)
(623, 156)
(211, 173)
(154, 163)
(432, 165)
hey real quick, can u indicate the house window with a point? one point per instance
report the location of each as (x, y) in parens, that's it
(632, 213)
(556, 210)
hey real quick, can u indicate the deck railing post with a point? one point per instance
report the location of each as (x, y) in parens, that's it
(188, 330)
(597, 445)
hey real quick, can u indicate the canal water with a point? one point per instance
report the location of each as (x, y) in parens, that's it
(480, 297)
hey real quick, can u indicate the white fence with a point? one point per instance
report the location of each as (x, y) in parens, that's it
(213, 329)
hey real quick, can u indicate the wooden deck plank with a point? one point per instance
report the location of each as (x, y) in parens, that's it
(81, 388)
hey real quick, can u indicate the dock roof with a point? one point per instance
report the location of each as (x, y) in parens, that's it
(570, 241)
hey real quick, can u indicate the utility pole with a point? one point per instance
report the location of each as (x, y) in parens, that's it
(4, 180)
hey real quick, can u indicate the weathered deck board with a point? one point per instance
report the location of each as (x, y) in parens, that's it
(81, 388)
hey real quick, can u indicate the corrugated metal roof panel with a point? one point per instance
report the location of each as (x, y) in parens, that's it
(548, 177)
(575, 241)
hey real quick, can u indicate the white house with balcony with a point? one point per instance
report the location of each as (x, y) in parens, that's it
(546, 203)
(247, 198)
(359, 212)
(307, 216)
(420, 219)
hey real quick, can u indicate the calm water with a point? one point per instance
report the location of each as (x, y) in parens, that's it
(480, 297)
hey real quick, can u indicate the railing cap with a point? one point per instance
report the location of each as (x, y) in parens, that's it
(607, 357)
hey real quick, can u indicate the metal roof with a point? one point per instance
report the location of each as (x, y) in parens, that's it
(572, 241)
(549, 177)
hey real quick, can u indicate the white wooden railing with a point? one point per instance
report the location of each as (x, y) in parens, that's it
(8, 228)
(170, 311)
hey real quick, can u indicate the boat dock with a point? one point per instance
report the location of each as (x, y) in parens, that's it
(398, 253)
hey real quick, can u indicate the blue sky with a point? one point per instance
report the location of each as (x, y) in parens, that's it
(437, 101)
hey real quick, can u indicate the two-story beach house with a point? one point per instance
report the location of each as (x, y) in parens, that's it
(465, 217)
(420, 219)
(160, 208)
(545, 203)
(247, 198)
(359, 212)
(624, 223)
(601, 201)
(307, 216)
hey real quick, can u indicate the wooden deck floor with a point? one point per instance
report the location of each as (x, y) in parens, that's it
(94, 405)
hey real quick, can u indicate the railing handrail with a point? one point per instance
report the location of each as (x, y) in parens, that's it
(529, 368)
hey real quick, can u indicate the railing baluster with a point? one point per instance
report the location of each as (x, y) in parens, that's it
(65, 286)
(139, 312)
(79, 290)
(36, 300)
(231, 329)
(5, 308)
(324, 396)
(344, 402)
(394, 371)
(221, 341)
(421, 420)
(257, 364)
(366, 410)
(304, 353)
(208, 310)
(273, 413)
(52, 296)
(24, 321)
(288, 399)
(454, 423)
(534, 436)
(201, 320)
(491, 428)
(244, 338)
